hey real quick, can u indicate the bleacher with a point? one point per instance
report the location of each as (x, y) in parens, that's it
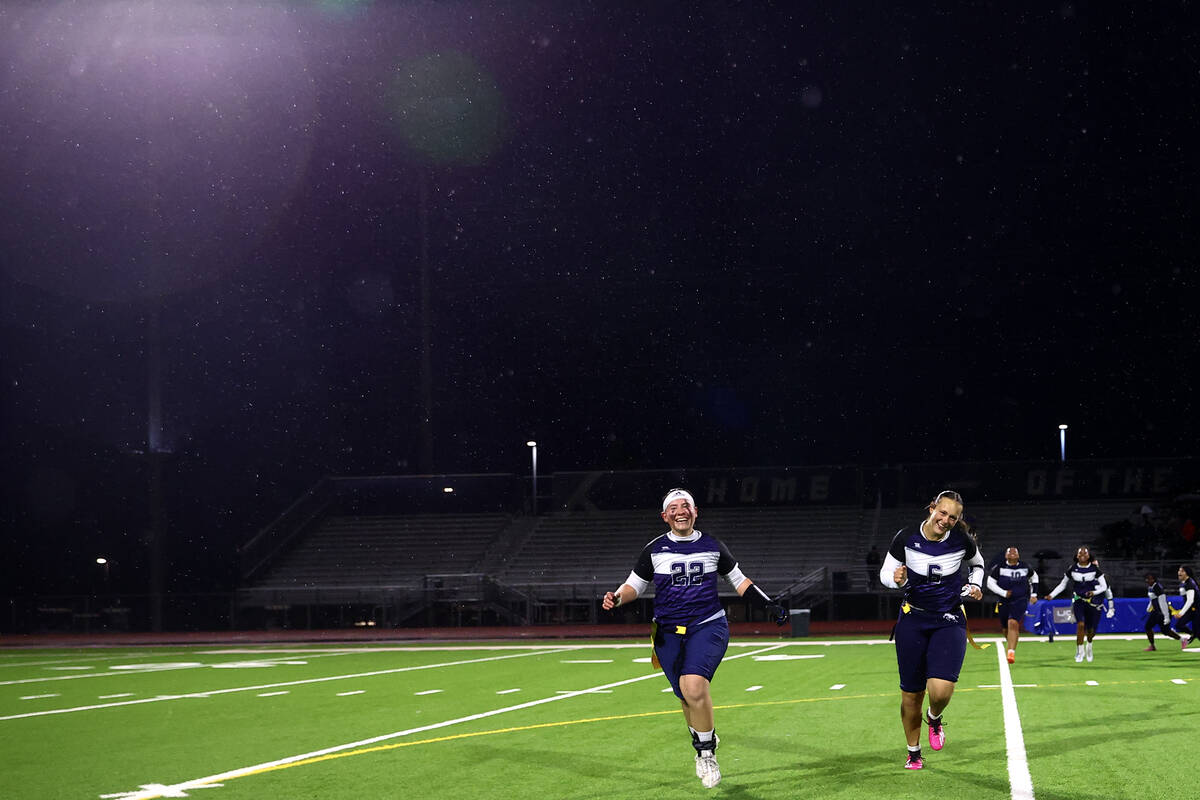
(772, 545)
(386, 550)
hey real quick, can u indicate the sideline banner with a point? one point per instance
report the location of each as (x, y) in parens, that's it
(1130, 617)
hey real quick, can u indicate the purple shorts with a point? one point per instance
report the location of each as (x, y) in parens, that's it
(697, 652)
(929, 645)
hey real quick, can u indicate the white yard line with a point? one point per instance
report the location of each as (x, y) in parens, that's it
(154, 791)
(266, 686)
(1014, 740)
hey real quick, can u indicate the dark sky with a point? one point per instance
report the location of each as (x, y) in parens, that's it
(735, 234)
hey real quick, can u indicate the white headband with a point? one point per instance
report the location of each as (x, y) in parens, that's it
(678, 494)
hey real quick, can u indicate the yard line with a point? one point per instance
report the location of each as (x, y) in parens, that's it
(837, 687)
(1180, 681)
(270, 694)
(1014, 740)
(155, 791)
(356, 691)
(260, 687)
(428, 691)
(39, 696)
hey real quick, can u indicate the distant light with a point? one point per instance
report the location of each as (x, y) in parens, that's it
(531, 444)
(102, 560)
(447, 489)
(1062, 427)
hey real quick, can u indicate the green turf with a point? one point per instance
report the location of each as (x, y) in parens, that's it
(786, 732)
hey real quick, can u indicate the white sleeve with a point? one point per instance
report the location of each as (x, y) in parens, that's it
(1188, 599)
(1164, 608)
(1033, 581)
(975, 570)
(1101, 587)
(993, 586)
(1054, 592)
(735, 577)
(637, 583)
(887, 572)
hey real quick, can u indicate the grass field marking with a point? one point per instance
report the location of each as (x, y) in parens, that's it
(75, 659)
(39, 696)
(1019, 778)
(156, 791)
(355, 691)
(837, 687)
(271, 694)
(1091, 683)
(179, 789)
(264, 686)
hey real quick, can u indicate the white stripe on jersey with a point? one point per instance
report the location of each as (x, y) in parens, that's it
(663, 561)
(920, 563)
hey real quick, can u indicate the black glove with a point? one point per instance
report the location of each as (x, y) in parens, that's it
(778, 613)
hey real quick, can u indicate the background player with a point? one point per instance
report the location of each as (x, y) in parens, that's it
(691, 633)
(1015, 582)
(1159, 610)
(1186, 624)
(931, 635)
(1089, 587)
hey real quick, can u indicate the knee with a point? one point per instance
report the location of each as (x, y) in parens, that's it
(694, 689)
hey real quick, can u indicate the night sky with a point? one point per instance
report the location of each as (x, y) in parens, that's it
(737, 234)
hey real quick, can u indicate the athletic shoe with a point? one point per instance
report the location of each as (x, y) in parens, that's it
(707, 770)
(1149, 649)
(705, 747)
(1078, 656)
(1087, 651)
(937, 735)
(914, 761)
(1184, 641)
(1012, 656)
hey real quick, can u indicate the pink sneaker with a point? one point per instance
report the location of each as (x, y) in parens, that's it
(914, 761)
(1149, 649)
(1184, 641)
(937, 735)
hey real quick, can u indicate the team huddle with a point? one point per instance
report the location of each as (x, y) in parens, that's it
(925, 561)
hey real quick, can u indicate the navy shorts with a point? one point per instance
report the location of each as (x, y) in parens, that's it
(697, 652)
(1086, 613)
(929, 645)
(1013, 609)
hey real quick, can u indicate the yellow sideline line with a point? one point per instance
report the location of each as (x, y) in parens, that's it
(541, 725)
(643, 714)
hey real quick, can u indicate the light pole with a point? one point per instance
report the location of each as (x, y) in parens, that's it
(1062, 441)
(532, 445)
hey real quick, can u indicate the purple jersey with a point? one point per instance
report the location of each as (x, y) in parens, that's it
(684, 573)
(1015, 579)
(934, 581)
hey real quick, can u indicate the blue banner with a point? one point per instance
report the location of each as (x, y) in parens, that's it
(1130, 616)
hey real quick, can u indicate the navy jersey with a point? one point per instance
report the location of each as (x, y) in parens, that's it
(1088, 582)
(1158, 600)
(1004, 577)
(1189, 603)
(934, 581)
(684, 573)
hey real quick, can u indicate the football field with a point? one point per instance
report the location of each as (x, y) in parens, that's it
(583, 719)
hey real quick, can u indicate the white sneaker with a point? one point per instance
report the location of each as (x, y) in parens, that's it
(1087, 651)
(707, 769)
(1078, 654)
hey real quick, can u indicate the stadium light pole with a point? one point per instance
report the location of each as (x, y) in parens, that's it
(1062, 441)
(532, 445)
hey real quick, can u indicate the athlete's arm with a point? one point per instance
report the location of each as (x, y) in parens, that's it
(1057, 589)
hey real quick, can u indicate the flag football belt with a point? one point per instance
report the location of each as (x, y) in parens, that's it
(1090, 601)
(678, 630)
(907, 608)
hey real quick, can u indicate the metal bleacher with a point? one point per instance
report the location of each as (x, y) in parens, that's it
(386, 550)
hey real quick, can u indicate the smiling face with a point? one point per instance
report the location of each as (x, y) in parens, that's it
(943, 515)
(681, 515)
(1012, 555)
(1083, 556)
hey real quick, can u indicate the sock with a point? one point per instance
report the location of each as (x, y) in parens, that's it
(915, 749)
(932, 718)
(704, 736)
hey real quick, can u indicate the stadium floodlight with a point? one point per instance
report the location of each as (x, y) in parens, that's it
(1062, 441)
(533, 449)
(447, 490)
